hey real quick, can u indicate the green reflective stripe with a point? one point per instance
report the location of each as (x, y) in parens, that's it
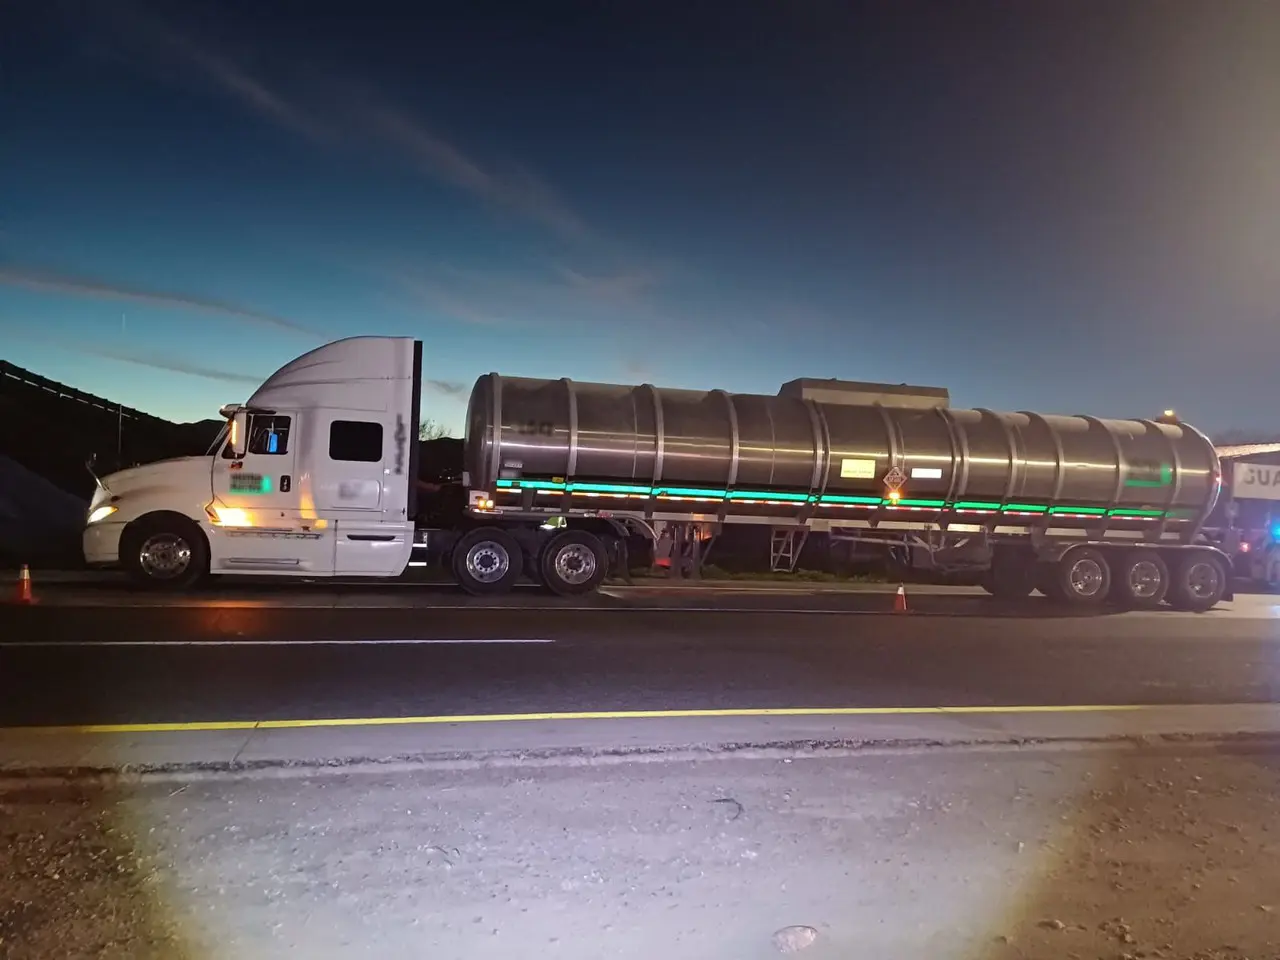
(690, 492)
(830, 499)
(608, 488)
(540, 485)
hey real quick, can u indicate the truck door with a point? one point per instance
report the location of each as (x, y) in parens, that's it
(364, 496)
(260, 526)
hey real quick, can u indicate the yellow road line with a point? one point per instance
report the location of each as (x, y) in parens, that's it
(200, 726)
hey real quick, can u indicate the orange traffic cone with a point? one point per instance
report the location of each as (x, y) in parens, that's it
(24, 586)
(900, 600)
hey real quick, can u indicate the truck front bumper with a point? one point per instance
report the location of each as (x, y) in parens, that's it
(102, 543)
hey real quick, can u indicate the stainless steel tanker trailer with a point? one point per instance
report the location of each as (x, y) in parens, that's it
(319, 475)
(1084, 509)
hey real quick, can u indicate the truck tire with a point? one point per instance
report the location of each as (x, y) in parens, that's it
(164, 551)
(1012, 575)
(1046, 576)
(1197, 582)
(1140, 580)
(1082, 578)
(574, 563)
(487, 561)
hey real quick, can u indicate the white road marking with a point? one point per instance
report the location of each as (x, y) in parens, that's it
(407, 642)
(461, 608)
(1238, 612)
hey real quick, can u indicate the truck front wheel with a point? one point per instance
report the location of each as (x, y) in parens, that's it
(164, 552)
(573, 563)
(487, 561)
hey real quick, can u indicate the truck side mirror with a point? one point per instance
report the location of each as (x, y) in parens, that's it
(238, 439)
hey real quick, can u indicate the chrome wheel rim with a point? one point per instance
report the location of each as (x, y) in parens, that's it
(164, 556)
(1203, 580)
(1145, 579)
(1086, 577)
(575, 563)
(487, 561)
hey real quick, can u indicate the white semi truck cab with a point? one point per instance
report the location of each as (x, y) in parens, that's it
(311, 477)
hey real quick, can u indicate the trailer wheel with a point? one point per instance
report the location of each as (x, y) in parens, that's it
(1140, 580)
(1046, 576)
(1198, 582)
(574, 563)
(1082, 578)
(1012, 576)
(487, 561)
(164, 551)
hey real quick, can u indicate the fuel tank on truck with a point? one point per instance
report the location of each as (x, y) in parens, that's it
(828, 448)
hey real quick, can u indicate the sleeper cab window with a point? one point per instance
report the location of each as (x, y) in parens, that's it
(358, 441)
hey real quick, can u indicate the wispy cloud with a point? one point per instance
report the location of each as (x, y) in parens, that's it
(518, 190)
(161, 40)
(450, 388)
(169, 364)
(257, 95)
(622, 286)
(152, 361)
(354, 112)
(436, 297)
(52, 281)
(533, 296)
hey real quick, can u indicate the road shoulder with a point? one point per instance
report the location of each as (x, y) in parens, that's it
(602, 738)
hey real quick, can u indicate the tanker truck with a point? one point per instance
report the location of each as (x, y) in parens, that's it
(317, 476)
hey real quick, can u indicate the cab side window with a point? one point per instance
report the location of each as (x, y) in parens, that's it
(357, 441)
(268, 435)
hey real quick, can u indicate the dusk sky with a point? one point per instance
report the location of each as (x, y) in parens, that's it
(1070, 207)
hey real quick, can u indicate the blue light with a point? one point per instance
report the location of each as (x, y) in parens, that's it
(1275, 533)
(273, 443)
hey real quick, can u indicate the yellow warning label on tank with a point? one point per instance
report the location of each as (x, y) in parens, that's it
(857, 469)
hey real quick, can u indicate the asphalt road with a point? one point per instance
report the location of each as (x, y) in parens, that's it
(248, 656)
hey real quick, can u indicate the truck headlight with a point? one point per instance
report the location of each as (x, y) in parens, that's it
(100, 513)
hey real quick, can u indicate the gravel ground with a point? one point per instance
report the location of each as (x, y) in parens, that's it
(938, 854)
